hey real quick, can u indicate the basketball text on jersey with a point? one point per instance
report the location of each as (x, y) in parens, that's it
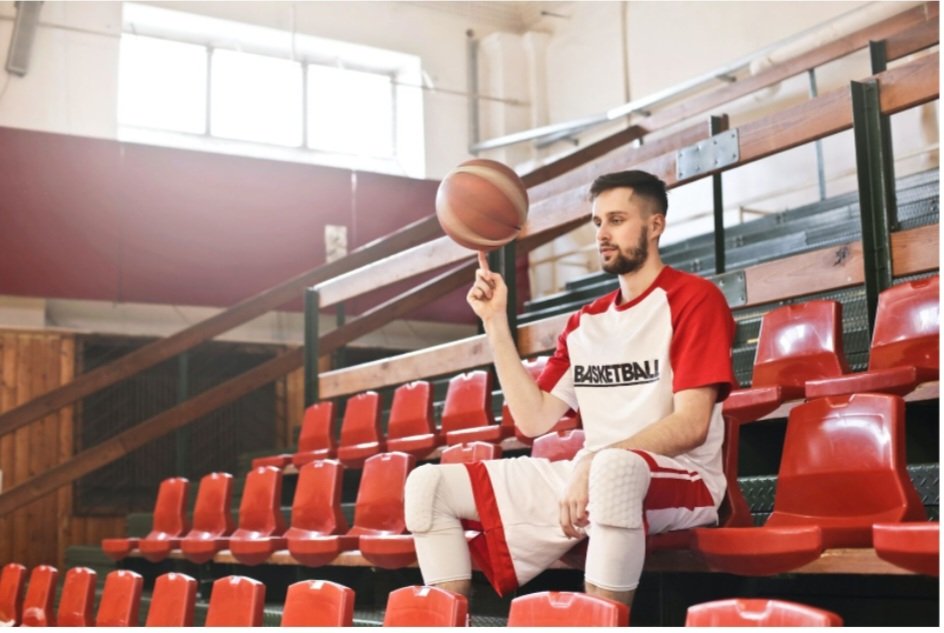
(617, 375)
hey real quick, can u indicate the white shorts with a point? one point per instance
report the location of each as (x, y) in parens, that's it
(517, 502)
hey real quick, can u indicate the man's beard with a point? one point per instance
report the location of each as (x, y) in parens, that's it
(631, 261)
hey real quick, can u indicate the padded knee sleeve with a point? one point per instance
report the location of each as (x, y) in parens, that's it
(419, 498)
(619, 480)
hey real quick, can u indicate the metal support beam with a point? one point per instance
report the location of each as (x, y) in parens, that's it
(182, 435)
(876, 192)
(312, 302)
(716, 125)
(820, 166)
(879, 58)
(472, 89)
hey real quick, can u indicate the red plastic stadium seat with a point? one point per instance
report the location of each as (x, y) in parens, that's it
(360, 430)
(797, 343)
(316, 508)
(78, 598)
(378, 518)
(37, 605)
(121, 599)
(470, 452)
(905, 344)
(236, 601)
(170, 523)
(318, 603)
(467, 411)
(261, 523)
(842, 469)
(411, 428)
(758, 612)
(558, 445)
(913, 546)
(316, 440)
(564, 608)
(170, 520)
(12, 584)
(172, 601)
(426, 606)
(212, 519)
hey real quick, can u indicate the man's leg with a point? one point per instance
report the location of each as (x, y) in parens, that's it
(619, 481)
(437, 498)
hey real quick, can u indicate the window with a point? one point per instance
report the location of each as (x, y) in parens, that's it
(203, 83)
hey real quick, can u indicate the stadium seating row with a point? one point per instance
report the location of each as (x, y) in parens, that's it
(799, 355)
(847, 447)
(239, 601)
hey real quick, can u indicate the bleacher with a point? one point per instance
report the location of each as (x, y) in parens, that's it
(842, 573)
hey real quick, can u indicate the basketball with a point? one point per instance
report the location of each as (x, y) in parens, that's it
(482, 204)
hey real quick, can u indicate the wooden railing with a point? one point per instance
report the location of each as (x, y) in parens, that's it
(557, 208)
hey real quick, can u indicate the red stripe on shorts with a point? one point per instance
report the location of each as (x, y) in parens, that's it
(673, 492)
(491, 554)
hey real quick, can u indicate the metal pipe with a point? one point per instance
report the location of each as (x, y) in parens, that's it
(645, 103)
(472, 87)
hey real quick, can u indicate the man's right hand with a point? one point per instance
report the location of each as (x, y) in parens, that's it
(489, 294)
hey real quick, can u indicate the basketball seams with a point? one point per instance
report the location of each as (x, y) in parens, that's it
(503, 184)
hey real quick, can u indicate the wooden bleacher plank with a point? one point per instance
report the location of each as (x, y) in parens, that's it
(833, 561)
(914, 39)
(816, 271)
(913, 251)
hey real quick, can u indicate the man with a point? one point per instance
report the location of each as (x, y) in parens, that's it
(647, 366)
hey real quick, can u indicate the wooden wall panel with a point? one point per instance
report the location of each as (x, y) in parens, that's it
(31, 363)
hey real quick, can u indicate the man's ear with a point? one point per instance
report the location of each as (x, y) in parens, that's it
(656, 225)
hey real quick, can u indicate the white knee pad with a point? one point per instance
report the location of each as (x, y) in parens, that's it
(619, 480)
(419, 498)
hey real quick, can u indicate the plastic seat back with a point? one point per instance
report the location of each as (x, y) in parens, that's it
(908, 326)
(758, 612)
(470, 452)
(557, 446)
(361, 423)
(170, 512)
(468, 402)
(211, 511)
(411, 412)
(317, 503)
(379, 506)
(843, 468)
(172, 601)
(534, 366)
(121, 599)
(260, 513)
(78, 597)
(318, 428)
(426, 606)
(12, 585)
(37, 605)
(799, 343)
(318, 603)
(236, 601)
(564, 608)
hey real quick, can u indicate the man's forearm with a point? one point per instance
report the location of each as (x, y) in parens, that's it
(534, 411)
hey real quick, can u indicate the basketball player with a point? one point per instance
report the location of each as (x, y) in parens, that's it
(647, 366)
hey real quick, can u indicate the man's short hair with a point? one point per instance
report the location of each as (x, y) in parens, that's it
(643, 183)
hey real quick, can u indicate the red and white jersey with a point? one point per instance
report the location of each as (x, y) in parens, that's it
(620, 365)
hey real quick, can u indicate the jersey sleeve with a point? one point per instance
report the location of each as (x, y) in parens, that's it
(557, 377)
(702, 342)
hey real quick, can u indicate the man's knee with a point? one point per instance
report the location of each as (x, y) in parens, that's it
(619, 480)
(419, 497)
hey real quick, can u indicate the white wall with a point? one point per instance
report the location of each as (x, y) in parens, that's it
(71, 86)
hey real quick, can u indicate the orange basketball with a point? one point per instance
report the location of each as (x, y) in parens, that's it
(482, 204)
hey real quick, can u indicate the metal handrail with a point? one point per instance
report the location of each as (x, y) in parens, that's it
(642, 106)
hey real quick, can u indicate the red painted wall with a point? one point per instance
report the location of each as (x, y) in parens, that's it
(85, 218)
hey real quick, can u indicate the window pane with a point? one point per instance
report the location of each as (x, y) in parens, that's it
(162, 84)
(256, 98)
(350, 112)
